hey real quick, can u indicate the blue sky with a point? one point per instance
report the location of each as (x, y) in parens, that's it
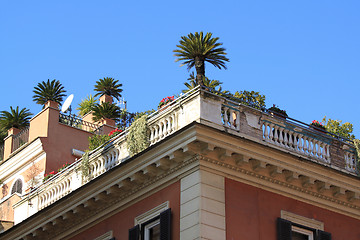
(303, 55)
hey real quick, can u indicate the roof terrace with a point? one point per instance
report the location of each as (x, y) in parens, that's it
(204, 107)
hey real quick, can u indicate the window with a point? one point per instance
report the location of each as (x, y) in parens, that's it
(156, 228)
(17, 187)
(288, 230)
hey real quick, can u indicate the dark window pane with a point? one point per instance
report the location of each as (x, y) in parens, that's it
(299, 236)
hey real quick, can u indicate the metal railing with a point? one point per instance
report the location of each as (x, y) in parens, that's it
(78, 123)
(20, 139)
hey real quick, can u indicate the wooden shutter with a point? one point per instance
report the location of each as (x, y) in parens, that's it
(134, 233)
(321, 235)
(165, 225)
(283, 229)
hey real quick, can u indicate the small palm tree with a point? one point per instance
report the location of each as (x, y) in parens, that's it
(212, 84)
(15, 118)
(105, 110)
(86, 105)
(46, 91)
(196, 49)
(108, 86)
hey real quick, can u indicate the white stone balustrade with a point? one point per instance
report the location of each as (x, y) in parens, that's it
(230, 117)
(162, 128)
(295, 141)
(350, 161)
(55, 191)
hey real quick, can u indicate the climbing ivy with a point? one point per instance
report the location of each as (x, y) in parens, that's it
(137, 138)
(85, 165)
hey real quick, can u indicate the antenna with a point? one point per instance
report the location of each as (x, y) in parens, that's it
(67, 104)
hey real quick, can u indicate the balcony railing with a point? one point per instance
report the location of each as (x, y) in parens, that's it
(234, 117)
(78, 123)
(20, 139)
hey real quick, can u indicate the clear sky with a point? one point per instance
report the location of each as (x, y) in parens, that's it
(303, 55)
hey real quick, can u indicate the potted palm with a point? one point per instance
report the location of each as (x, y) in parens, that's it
(108, 88)
(49, 91)
(106, 112)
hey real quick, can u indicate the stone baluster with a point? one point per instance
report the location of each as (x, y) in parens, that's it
(271, 133)
(281, 136)
(231, 121)
(276, 136)
(286, 139)
(265, 132)
(237, 120)
(151, 135)
(225, 109)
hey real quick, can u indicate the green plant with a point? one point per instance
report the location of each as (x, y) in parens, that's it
(65, 165)
(97, 140)
(337, 127)
(196, 49)
(106, 110)
(211, 84)
(277, 110)
(3, 134)
(86, 105)
(252, 98)
(141, 114)
(125, 119)
(85, 165)
(137, 138)
(45, 91)
(15, 118)
(108, 86)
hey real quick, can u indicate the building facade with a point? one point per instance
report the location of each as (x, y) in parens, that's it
(215, 168)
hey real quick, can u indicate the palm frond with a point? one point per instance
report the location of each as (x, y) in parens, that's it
(108, 86)
(15, 118)
(45, 91)
(106, 110)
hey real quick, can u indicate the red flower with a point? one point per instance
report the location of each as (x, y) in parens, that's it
(115, 131)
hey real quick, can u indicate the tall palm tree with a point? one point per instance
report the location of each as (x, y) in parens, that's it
(108, 86)
(105, 110)
(15, 118)
(46, 91)
(196, 49)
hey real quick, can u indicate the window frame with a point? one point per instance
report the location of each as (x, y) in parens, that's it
(159, 215)
(285, 228)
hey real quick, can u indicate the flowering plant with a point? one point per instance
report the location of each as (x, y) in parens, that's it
(49, 175)
(63, 166)
(165, 101)
(317, 124)
(115, 132)
(276, 109)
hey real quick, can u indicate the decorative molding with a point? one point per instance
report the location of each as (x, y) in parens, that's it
(301, 190)
(151, 213)
(311, 223)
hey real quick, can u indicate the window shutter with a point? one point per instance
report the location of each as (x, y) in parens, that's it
(165, 225)
(134, 233)
(283, 229)
(321, 235)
